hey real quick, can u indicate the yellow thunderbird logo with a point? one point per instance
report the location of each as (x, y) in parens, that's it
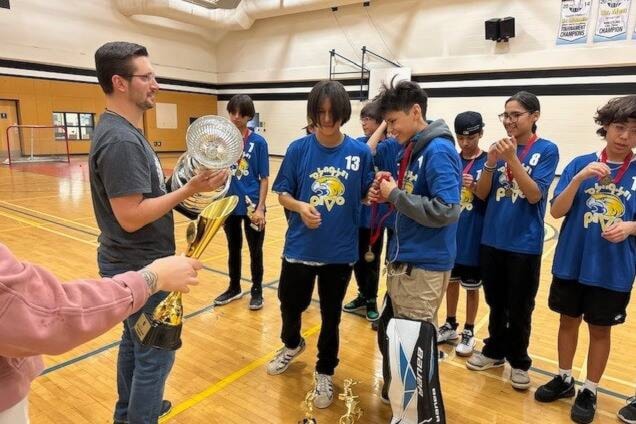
(605, 209)
(466, 200)
(328, 191)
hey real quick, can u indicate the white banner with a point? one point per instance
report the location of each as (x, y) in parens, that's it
(611, 23)
(575, 16)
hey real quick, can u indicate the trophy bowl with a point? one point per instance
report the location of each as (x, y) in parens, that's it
(213, 142)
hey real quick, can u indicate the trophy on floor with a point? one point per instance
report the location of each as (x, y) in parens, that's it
(214, 143)
(352, 403)
(308, 406)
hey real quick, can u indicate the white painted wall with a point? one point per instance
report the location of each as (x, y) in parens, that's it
(67, 32)
(430, 36)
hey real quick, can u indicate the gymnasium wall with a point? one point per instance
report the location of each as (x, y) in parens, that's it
(278, 59)
(39, 98)
(443, 43)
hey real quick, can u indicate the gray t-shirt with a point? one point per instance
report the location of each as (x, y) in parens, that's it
(122, 163)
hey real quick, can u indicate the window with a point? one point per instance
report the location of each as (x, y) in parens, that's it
(78, 126)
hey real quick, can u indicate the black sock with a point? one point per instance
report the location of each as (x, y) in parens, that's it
(470, 327)
(452, 321)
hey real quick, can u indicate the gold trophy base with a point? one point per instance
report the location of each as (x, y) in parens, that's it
(158, 334)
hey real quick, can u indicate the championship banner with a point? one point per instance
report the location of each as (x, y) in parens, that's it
(611, 24)
(575, 16)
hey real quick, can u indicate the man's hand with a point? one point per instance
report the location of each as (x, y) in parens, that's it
(207, 180)
(310, 216)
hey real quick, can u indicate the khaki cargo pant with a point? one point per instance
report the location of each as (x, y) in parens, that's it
(418, 294)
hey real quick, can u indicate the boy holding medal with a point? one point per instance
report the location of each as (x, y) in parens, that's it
(594, 262)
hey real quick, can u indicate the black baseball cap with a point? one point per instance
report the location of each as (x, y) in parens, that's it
(468, 123)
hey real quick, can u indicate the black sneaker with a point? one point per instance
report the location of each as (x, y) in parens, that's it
(256, 302)
(166, 407)
(555, 389)
(358, 303)
(228, 295)
(584, 407)
(372, 310)
(627, 414)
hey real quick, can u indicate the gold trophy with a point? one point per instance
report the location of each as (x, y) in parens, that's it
(162, 328)
(308, 406)
(354, 412)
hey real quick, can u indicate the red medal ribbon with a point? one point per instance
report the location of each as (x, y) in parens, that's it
(621, 171)
(524, 153)
(376, 226)
(245, 137)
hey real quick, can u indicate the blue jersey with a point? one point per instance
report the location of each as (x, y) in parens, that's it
(433, 172)
(471, 220)
(365, 211)
(247, 173)
(512, 223)
(581, 253)
(334, 180)
(386, 159)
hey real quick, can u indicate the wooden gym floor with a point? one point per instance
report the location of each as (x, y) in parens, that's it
(219, 375)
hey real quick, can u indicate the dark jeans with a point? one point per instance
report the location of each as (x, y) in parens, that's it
(141, 370)
(294, 291)
(368, 273)
(255, 240)
(510, 282)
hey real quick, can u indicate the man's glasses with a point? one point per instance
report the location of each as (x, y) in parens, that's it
(144, 77)
(512, 117)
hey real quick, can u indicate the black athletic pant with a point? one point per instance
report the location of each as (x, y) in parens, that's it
(510, 281)
(294, 292)
(368, 273)
(255, 240)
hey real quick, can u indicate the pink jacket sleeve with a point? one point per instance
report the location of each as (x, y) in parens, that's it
(41, 315)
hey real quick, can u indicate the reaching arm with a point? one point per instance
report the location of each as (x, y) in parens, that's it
(134, 211)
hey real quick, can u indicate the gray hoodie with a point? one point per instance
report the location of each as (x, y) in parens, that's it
(433, 213)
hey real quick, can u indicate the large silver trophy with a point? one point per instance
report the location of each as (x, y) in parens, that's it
(213, 142)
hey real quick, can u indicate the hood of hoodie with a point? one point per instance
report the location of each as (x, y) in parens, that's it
(434, 129)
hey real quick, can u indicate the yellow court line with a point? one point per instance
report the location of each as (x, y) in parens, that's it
(42, 227)
(216, 387)
(49, 215)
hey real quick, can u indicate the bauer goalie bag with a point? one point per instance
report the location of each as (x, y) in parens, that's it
(410, 358)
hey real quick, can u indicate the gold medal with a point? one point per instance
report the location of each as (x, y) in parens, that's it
(369, 256)
(606, 180)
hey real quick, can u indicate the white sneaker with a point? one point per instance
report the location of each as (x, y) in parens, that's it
(324, 391)
(466, 345)
(283, 358)
(480, 362)
(519, 379)
(446, 333)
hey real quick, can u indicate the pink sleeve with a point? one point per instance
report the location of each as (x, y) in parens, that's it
(41, 315)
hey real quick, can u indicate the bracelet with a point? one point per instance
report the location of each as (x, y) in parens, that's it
(151, 280)
(489, 168)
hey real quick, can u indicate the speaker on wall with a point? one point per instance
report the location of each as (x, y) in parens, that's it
(492, 29)
(500, 29)
(507, 28)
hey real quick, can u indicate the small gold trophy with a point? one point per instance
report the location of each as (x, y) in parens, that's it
(354, 412)
(162, 328)
(308, 406)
